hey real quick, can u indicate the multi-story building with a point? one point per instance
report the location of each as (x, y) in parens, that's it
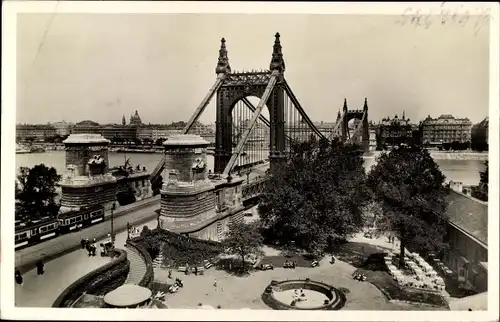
(109, 131)
(144, 133)
(63, 128)
(445, 129)
(87, 127)
(479, 135)
(467, 237)
(113, 132)
(325, 127)
(395, 131)
(163, 133)
(35, 132)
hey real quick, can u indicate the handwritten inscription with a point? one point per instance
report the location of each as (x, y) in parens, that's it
(457, 15)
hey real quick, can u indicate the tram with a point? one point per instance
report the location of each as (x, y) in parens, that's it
(28, 234)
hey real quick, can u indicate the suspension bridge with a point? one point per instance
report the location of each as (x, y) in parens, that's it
(245, 138)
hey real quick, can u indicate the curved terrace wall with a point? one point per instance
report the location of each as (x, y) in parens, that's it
(100, 281)
(336, 298)
(140, 245)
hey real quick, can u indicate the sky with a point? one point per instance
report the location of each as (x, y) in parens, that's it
(76, 67)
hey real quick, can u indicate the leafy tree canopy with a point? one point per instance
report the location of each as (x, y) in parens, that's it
(484, 174)
(243, 239)
(36, 192)
(481, 191)
(408, 185)
(319, 194)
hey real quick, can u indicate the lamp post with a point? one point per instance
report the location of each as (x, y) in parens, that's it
(113, 207)
(128, 231)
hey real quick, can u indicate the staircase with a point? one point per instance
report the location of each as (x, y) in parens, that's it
(158, 261)
(137, 266)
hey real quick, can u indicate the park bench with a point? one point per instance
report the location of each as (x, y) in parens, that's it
(182, 269)
(314, 264)
(208, 264)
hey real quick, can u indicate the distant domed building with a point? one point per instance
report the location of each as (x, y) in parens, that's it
(135, 119)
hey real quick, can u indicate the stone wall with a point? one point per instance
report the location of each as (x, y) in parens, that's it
(79, 156)
(182, 161)
(467, 253)
(89, 195)
(98, 282)
(188, 205)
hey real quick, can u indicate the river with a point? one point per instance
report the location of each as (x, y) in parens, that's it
(466, 171)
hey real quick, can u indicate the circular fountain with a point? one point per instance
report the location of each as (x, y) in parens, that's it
(303, 295)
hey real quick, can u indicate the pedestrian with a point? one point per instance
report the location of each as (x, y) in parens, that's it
(18, 277)
(94, 241)
(170, 273)
(215, 283)
(93, 250)
(39, 268)
(87, 243)
(82, 242)
(196, 271)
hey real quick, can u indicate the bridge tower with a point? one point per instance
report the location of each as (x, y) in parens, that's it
(357, 114)
(239, 85)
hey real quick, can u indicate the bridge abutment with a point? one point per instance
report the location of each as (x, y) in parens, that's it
(192, 203)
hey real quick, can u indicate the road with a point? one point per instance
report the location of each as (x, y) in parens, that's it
(42, 290)
(65, 261)
(53, 248)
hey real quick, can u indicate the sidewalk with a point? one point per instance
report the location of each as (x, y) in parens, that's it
(42, 291)
(136, 213)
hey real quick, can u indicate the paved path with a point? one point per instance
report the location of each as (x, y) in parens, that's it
(42, 291)
(50, 249)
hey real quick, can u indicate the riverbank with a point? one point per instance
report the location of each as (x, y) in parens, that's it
(442, 155)
(473, 156)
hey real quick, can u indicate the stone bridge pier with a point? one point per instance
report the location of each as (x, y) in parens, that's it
(193, 204)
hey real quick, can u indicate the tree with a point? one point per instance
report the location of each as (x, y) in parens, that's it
(481, 191)
(316, 197)
(484, 175)
(36, 192)
(479, 138)
(408, 186)
(243, 239)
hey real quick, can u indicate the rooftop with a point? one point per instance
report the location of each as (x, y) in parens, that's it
(86, 138)
(446, 119)
(469, 214)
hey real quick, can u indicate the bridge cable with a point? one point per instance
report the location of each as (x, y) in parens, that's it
(206, 100)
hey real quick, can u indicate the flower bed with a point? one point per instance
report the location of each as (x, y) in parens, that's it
(178, 250)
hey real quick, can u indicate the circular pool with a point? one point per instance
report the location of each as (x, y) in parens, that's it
(303, 295)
